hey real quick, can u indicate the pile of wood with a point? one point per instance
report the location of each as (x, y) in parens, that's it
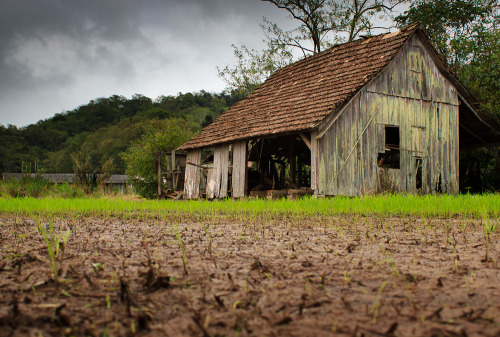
(285, 193)
(169, 194)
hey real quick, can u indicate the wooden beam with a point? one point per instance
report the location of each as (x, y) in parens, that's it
(218, 175)
(314, 161)
(174, 176)
(222, 169)
(291, 159)
(304, 138)
(158, 172)
(239, 169)
(192, 175)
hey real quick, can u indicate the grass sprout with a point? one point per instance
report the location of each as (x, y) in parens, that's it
(175, 228)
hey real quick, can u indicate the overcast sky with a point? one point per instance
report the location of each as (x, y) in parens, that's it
(56, 55)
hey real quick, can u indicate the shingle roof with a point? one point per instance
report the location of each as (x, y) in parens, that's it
(299, 96)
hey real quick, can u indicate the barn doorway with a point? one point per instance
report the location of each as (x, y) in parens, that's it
(280, 163)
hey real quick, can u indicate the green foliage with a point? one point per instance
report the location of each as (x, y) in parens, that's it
(479, 171)
(319, 25)
(481, 75)
(253, 67)
(27, 186)
(102, 129)
(53, 242)
(89, 174)
(38, 187)
(160, 135)
(398, 205)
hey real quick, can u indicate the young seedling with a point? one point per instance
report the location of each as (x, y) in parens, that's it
(348, 276)
(376, 303)
(488, 225)
(52, 241)
(270, 277)
(209, 238)
(181, 247)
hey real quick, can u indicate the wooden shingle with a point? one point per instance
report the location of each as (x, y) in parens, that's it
(298, 97)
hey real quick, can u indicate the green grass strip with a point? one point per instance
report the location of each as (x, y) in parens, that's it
(474, 206)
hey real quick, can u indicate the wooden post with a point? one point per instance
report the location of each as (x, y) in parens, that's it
(299, 170)
(239, 169)
(218, 175)
(314, 162)
(192, 176)
(158, 172)
(175, 177)
(211, 183)
(291, 158)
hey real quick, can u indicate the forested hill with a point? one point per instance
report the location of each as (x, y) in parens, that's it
(103, 128)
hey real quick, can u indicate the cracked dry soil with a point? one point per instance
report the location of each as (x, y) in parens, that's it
(345, 276)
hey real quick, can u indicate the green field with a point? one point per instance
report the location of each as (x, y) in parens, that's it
(471, 206)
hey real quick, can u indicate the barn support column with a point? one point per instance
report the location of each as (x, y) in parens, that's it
(218, 175)
(239, 169)
(192, 176)
(292, 160)
(314, 162)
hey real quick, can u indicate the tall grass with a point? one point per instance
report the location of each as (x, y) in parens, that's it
(474, 206)
(38, 187)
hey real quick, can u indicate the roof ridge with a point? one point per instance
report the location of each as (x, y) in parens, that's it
(300, 95)
(413, 27)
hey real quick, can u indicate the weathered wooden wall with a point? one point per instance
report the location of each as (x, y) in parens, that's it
(314, 162)
(412, 94)
(192, 176)
(217, 178)
(239, 169)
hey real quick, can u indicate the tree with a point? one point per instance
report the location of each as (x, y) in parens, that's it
(453, 26)
(321, 23)
(140, 157)
(90, 176)
(320, 18)
(253, 67)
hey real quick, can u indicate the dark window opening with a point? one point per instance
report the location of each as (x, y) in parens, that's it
(418, 176)
(390, 158)
(439, 186)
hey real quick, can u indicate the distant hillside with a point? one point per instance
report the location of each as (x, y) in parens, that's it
(103, 128)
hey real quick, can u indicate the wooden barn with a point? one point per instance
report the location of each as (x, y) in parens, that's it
(378, 114)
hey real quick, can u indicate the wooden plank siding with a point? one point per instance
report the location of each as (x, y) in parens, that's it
(314, 162)
(217, 178)
(239, 169)
(192, 175)
(412, 94)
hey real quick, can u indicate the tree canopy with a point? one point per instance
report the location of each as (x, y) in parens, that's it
(102, 129)
(159, 136)
(320, 24)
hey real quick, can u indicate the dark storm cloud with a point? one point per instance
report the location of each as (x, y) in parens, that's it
(58, 54)
(38, 37)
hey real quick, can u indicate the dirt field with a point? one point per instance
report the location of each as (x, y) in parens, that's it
(307, 277)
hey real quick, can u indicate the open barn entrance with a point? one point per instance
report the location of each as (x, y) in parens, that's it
(279, 166)
(269, 167)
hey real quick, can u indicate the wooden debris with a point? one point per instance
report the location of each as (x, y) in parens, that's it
(276, 194)
(297, 193)
(258, 194)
